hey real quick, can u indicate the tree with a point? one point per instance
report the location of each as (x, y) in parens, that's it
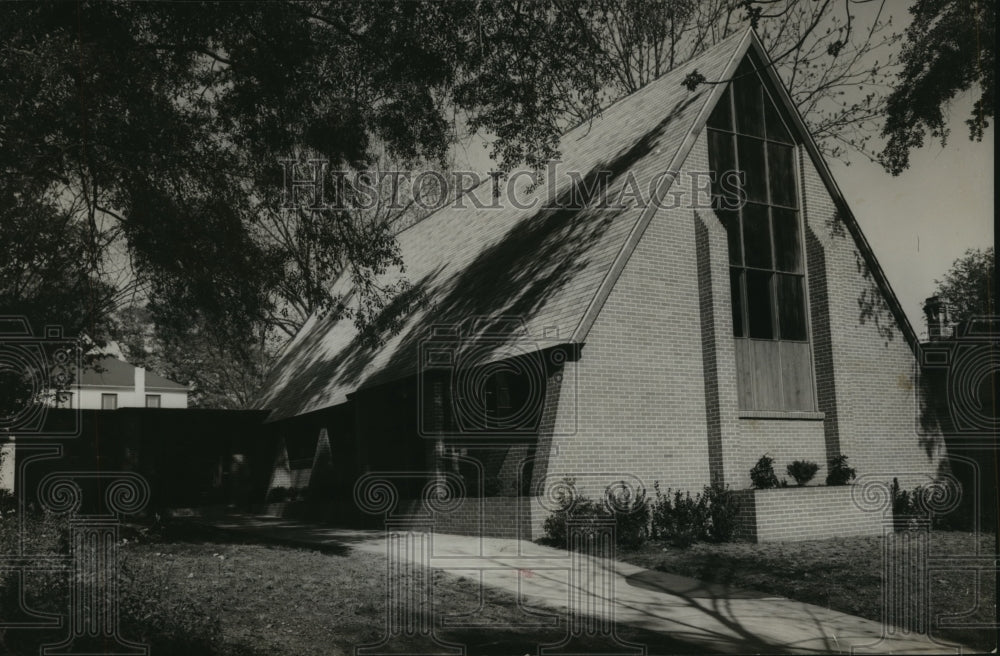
(968, 286)
(159, 128)
(220, 375)
(949, 49)
(818, 48)
(546, 66)
(43, 272)
(149, 138)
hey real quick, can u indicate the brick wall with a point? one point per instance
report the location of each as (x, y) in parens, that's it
(653, 395)
(866, 370)
(656, 384)
(641, 409)
(783, 440)
(806, 513)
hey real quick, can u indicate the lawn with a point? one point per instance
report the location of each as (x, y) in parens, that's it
(844, 574)
(208, 594)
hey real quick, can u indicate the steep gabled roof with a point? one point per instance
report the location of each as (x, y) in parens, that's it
(551, 268)
(109, 371)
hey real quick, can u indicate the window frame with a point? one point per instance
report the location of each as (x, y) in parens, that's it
(159, 401)
(109, 396)
(742, 268)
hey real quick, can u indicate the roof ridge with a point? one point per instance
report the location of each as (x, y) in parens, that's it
(602, 293)
(656, 79)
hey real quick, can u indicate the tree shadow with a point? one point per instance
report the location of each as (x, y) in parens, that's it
(537, 259)
(192, 532)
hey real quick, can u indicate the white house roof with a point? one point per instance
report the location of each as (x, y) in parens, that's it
(109, 371)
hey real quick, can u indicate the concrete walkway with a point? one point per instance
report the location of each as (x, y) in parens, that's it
(707, 616)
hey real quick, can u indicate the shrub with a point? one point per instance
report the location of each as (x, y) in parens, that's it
(7, 501)
(839, 472)
(682, 519)
(762, 475)
(723, 506)
(678, 517)
(581, 509)
(630, 513)
(802, 471)
(910, 507)
(905, 506)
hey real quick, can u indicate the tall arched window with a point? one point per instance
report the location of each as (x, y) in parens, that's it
(747, 133)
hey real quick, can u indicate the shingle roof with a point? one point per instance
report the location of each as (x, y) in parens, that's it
(109, 371)
(543, 266)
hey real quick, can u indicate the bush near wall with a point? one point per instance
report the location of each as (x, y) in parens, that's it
(629, 510)
(681, 519)
(912, 507)
(762, 476)
(674, 516)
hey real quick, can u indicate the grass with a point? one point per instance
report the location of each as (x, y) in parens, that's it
(214, 593)
(253, 599)
(844, 574)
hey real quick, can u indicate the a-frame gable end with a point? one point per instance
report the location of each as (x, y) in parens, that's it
(750, 43)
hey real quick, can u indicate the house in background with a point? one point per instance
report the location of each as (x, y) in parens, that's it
(111, 383)
(567, 337)
(108, 383)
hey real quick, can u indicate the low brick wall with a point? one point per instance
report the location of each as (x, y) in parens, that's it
(803, 513)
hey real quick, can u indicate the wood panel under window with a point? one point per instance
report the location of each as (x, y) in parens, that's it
(774, 375)
(797, 391)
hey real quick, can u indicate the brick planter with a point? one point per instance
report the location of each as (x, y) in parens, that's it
(803, 513)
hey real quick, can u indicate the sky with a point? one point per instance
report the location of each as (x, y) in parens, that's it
(920, 222)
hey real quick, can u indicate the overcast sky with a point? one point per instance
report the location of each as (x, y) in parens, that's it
(919, 222)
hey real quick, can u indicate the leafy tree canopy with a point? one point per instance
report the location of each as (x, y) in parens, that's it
(141, 143)
(949, 49)
(968, 285)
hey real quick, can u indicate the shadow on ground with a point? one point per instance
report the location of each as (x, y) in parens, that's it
(683, 586)
(318, 539)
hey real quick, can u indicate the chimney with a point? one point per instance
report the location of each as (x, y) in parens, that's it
(140, 383)
(936, 313)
